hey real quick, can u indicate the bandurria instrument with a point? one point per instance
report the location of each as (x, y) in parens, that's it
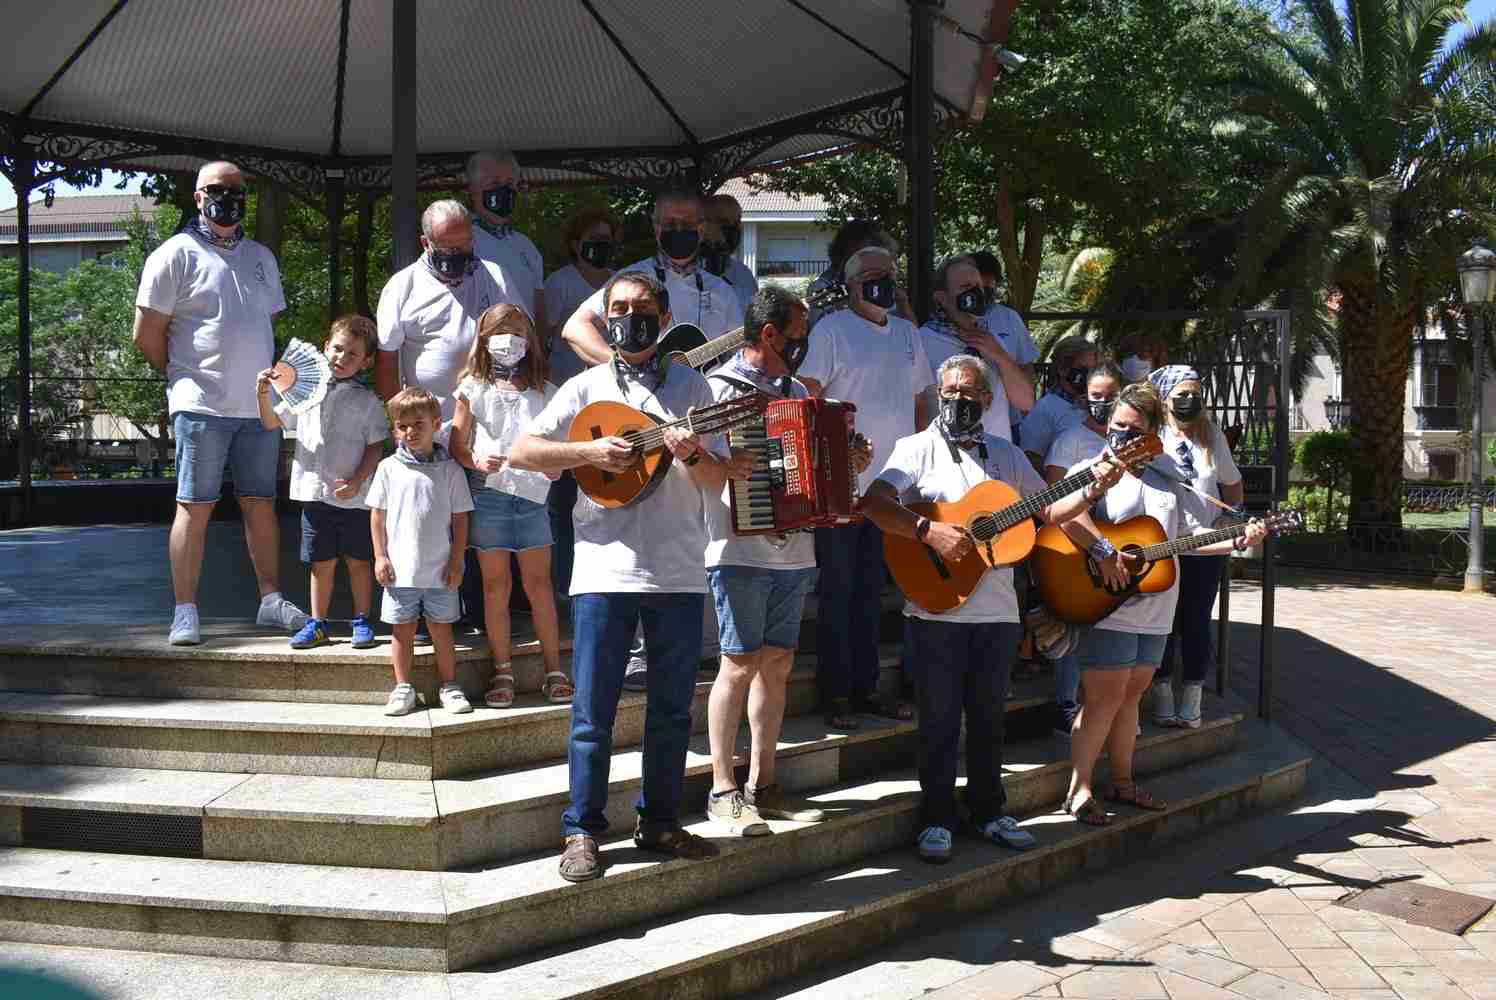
(802, 468)
(645, 432)
(1001, 525)
(687, 345)
(1072, 585)
(301, 377)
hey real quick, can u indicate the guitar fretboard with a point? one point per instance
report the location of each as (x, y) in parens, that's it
(1163, 550)
(989, 526)
(706, 421)
(729, 341)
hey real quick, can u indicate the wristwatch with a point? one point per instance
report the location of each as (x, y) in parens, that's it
(921, 527)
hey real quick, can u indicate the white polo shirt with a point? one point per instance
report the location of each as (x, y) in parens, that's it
(878, 369)
(921, 469)
(500, 415)
(433, 325)
(941, 346)
(221, 303)
(1078, 444)
(564, 290)
(741, 279)
(1146, 614)
(700, 297)
(518, 259)
(330, 442)
(655, 545)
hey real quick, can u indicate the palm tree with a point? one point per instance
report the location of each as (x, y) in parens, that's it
(1376, 138)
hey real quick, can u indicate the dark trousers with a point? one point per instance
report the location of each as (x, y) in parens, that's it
(1199, 582)
(962, 668)
(558, 505)
(850, 605)
(603, 629)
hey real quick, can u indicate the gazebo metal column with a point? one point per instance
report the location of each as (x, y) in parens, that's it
(919, 153)
(404, 214)
(25, 173)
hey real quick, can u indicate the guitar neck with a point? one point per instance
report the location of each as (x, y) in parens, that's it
(1163, 550)
(729, 341)
(1032, 504)
(713, 420)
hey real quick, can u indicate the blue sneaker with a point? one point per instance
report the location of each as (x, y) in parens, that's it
(363, 633)
(313, 633)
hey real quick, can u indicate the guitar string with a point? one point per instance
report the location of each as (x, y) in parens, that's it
(1028, 507)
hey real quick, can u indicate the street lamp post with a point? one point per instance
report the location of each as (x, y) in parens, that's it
(1477, 269)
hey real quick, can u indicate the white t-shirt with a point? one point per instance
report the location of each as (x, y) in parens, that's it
(921, 469)
(330, 442)
(878, 369)
(500, 416)
(700, 297)
(1147, 614)
(796, 550)
(1199, 514)
(564, 290)
(940, 346)
(741, 279)
(1078, 444)
(1051, 416)
(655, 545)
(433, 326)
(219, 338)
(419, 500)
(1007, 326)
(518, 259)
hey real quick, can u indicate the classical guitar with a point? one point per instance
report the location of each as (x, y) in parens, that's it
(1073, 588)
(687, 345)
(999, 521)
(645, 432)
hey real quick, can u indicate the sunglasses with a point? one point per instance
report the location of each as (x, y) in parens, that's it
(220, 190)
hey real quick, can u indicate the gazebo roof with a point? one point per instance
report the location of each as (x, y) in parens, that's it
(645, 91)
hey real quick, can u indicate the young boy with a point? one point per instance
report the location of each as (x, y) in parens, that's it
(419, 503)
(338, 444)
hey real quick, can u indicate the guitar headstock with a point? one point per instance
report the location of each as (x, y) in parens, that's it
(1285, 521)
(833, 295)
(1138, 451)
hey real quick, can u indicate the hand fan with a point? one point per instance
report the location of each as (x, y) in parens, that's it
(302, 376)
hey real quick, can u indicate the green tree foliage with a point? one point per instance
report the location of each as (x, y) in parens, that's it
(1327, 456)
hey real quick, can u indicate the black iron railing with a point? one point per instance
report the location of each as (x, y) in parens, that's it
(791, 268)
(1443, 497)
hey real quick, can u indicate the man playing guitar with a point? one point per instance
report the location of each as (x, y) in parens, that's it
(963, 655)
(639, 562)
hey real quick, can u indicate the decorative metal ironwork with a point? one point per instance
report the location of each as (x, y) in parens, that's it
(302, 178)
(1437, 418)
(1442, 499)
(1239, 367)
(1382, 549)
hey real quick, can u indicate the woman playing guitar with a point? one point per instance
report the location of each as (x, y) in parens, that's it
(1119, 653)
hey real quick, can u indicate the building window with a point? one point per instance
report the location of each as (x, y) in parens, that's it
(1438, 387)
(1443, 466)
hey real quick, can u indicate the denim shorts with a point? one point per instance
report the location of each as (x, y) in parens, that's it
(328, 532)
(1104, 649)
(758, 607)
(206, 445)
(405, 604)
(506, 522)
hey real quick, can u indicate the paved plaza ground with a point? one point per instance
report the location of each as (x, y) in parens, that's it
(1390, 685)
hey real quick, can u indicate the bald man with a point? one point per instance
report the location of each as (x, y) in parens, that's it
(493, 192)
(203, 316)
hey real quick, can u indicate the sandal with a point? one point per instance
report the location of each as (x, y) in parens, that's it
(839, 715)
(500, 693)
(1130, 794)
(901, 711)
(1089, 812)
(580, 860)
(557, 688)
(677, 843)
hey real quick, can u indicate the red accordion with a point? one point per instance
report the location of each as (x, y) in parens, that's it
(802, 470)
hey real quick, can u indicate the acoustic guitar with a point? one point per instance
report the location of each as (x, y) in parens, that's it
(645, 432)
(686, 344)
(1000, 523)
(1073, 588)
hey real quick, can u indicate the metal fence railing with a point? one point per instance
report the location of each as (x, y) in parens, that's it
(74, 433)
(790, 268)
(1442, 498)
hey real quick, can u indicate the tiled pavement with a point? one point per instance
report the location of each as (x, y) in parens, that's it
(1394, 688)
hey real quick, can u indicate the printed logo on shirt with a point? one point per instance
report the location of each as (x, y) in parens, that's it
(260, 271)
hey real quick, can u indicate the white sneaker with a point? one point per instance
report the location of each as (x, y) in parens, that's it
(1163, 703)
(935, 844)
(402, 700)
(1189, 706)
(186, 630)
(281, 613)
(453, 700)
(733, 812)
(1005, 831)
(636, 674)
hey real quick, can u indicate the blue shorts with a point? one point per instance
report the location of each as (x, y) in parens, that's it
(1104, 649)
(758, 607)
(328, 532)
(206, 445)
(402, 605)
(505, 522)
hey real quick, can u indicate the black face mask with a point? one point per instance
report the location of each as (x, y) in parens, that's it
(1186, 407)
(634, 332)
(450, 264)
(973, 301)
(226, 209)
(596, 252)
(960, 417)
(793, 353)
(879, 292)
(730, 237)
(714, 257)
(1100, 409)
(1118, 438)
(679, 244)
(1076, 378)
(501, 200)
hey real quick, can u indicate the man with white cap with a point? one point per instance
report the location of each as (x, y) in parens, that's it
(870, 357)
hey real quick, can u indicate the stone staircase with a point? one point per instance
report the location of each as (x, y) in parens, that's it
(236, 801)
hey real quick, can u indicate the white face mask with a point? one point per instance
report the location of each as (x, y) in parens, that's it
(507, 349)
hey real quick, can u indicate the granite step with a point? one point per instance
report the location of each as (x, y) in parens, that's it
(808, 894)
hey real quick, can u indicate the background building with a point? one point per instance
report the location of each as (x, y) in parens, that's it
(74, 229)
(784, 237)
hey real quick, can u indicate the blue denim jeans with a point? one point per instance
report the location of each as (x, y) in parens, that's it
(1199, 582)
(850, 607)
(602, 629)
(962, 668)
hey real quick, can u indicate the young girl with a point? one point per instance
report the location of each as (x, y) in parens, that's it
(503, 388)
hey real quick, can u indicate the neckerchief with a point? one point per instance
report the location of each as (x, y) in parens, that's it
(498, 230)
(206, 233)
(503, 373)
(449, 282)
(941, 323)
(738, 363)
(404, 454)
(655, 371)
(953, 443)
